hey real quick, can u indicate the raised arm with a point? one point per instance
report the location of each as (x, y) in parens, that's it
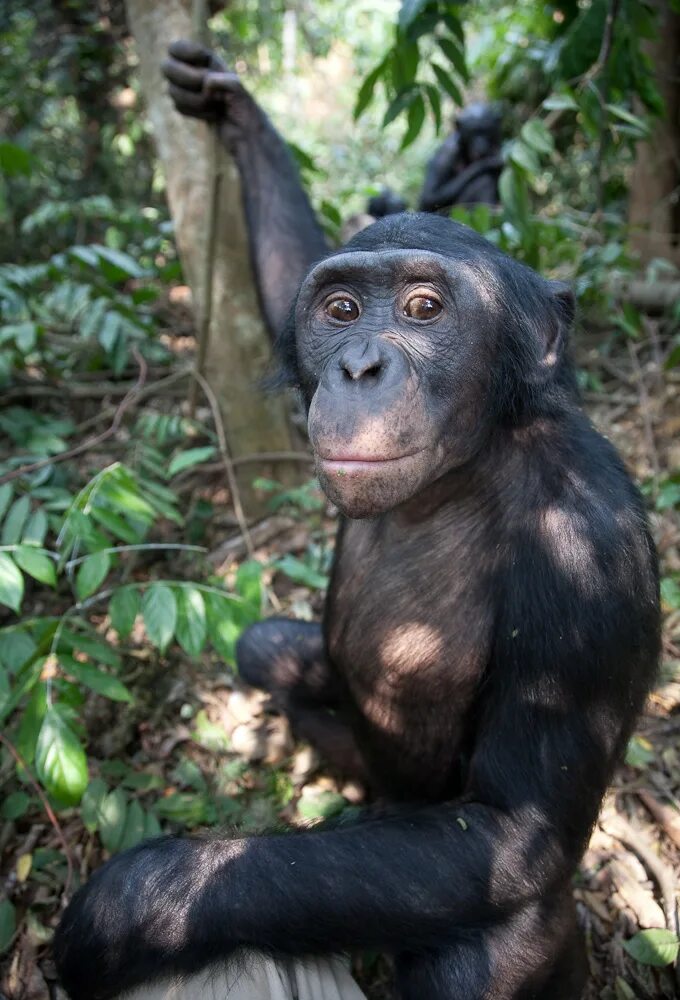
(285, 237)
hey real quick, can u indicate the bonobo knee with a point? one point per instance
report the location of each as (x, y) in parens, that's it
(277, 654)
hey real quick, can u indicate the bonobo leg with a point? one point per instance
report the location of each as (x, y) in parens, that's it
(287, 658)
(538, 954)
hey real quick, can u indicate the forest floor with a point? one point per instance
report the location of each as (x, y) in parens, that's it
(195, 731)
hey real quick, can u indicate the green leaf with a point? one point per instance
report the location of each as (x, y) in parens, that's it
(321, 806)
(435, 100)
(91, 574)
(191, 620)
(367, 88)
(399, 104)
(120, 265)
(525, 157)
(133, 829)
(159, 610)
(416, 117)
(183, 807)
(152, 827)
(91, 804)
(11, 583)
(223, 630)
(193, 456)
(112, 815)
(15, 805)
(514, 196)
(14, 159)
(36, 563)
(210, 735)
(95, 648)
(117, 525)
(670, 593)
(626, 116)
(653, 947)
(15, 521)
(410, 9)
(447, 84)
(96, 680)
(6, 494)
(249, 582)
(8, 924)
(123, 609)
(298, 571)
(537, 136)
(639, 753)
(456, 56)
(60, 760)
(36, 528)
(560, 102)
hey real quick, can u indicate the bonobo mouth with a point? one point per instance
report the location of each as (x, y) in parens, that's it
(352, 462)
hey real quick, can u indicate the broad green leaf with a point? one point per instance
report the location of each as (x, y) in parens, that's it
(399, 104)
(192, 456)
(209, 734)
(188, 808)
(6, 494)
(300, 572)
(447, 84)
(15, 521)
(159, 610)
(14, 159)
(152, 827)
(626, 116)
(410, 9)
(560, 102)
(96, 680)
(321, 806)
(456, 56)
(670, 593)
(133, 830)
(91, 574)
(525, 157)
(8, 924)
(514, 196)
(223, 629)
(653, 947)
(35, 529)
(11, 583)
(60, 760)
(15, 805)
(112, 815)
(191, 623)
(123, 609)
(95, 648)
(121, 264)
(435, 100)
(249, 582)
(36, 563)
(91, 804)
(117, 525)
(639, 752)
(537, 136)
(367, 88)
(415, 118)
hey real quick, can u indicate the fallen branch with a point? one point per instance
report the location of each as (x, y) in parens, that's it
(667, 817)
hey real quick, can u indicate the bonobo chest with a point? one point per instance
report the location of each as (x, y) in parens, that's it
(408, 625)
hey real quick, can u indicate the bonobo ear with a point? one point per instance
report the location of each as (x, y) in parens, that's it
(563, 316)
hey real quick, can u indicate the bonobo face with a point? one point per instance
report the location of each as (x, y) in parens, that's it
(395, 351)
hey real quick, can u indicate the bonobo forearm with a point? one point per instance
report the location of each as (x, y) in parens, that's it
(412, 877)
(285, 237)
(447, 194)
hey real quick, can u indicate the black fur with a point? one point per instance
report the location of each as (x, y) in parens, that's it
(485, 649)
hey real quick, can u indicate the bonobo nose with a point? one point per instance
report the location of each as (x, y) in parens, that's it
(364, 361)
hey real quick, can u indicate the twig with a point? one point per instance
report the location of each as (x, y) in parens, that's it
(46, 806)
(125, 403)
(667, 817)
(226, 458)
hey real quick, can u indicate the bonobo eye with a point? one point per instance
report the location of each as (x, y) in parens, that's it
(342, 309)
(423, 307)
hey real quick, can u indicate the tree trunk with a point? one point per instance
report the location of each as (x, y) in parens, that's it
(239, 347)
(654, 207)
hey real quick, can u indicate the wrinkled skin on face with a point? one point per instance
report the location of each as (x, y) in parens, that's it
(395, 348)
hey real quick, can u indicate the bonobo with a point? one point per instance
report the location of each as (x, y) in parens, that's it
(466, 167)
(490, 632)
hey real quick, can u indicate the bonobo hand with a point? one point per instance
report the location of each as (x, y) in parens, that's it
(142, 917)
(201, 87)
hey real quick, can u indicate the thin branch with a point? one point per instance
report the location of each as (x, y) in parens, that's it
(46, 806)
(226, 458)
(130, 398)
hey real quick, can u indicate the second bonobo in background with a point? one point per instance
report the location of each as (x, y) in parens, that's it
(284, 231)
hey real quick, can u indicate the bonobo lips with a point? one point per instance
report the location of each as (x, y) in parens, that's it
(353, 463)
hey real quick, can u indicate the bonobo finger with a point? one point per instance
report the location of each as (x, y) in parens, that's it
(191, 52)
(228, 83)
(183, 75)
(192, 104)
